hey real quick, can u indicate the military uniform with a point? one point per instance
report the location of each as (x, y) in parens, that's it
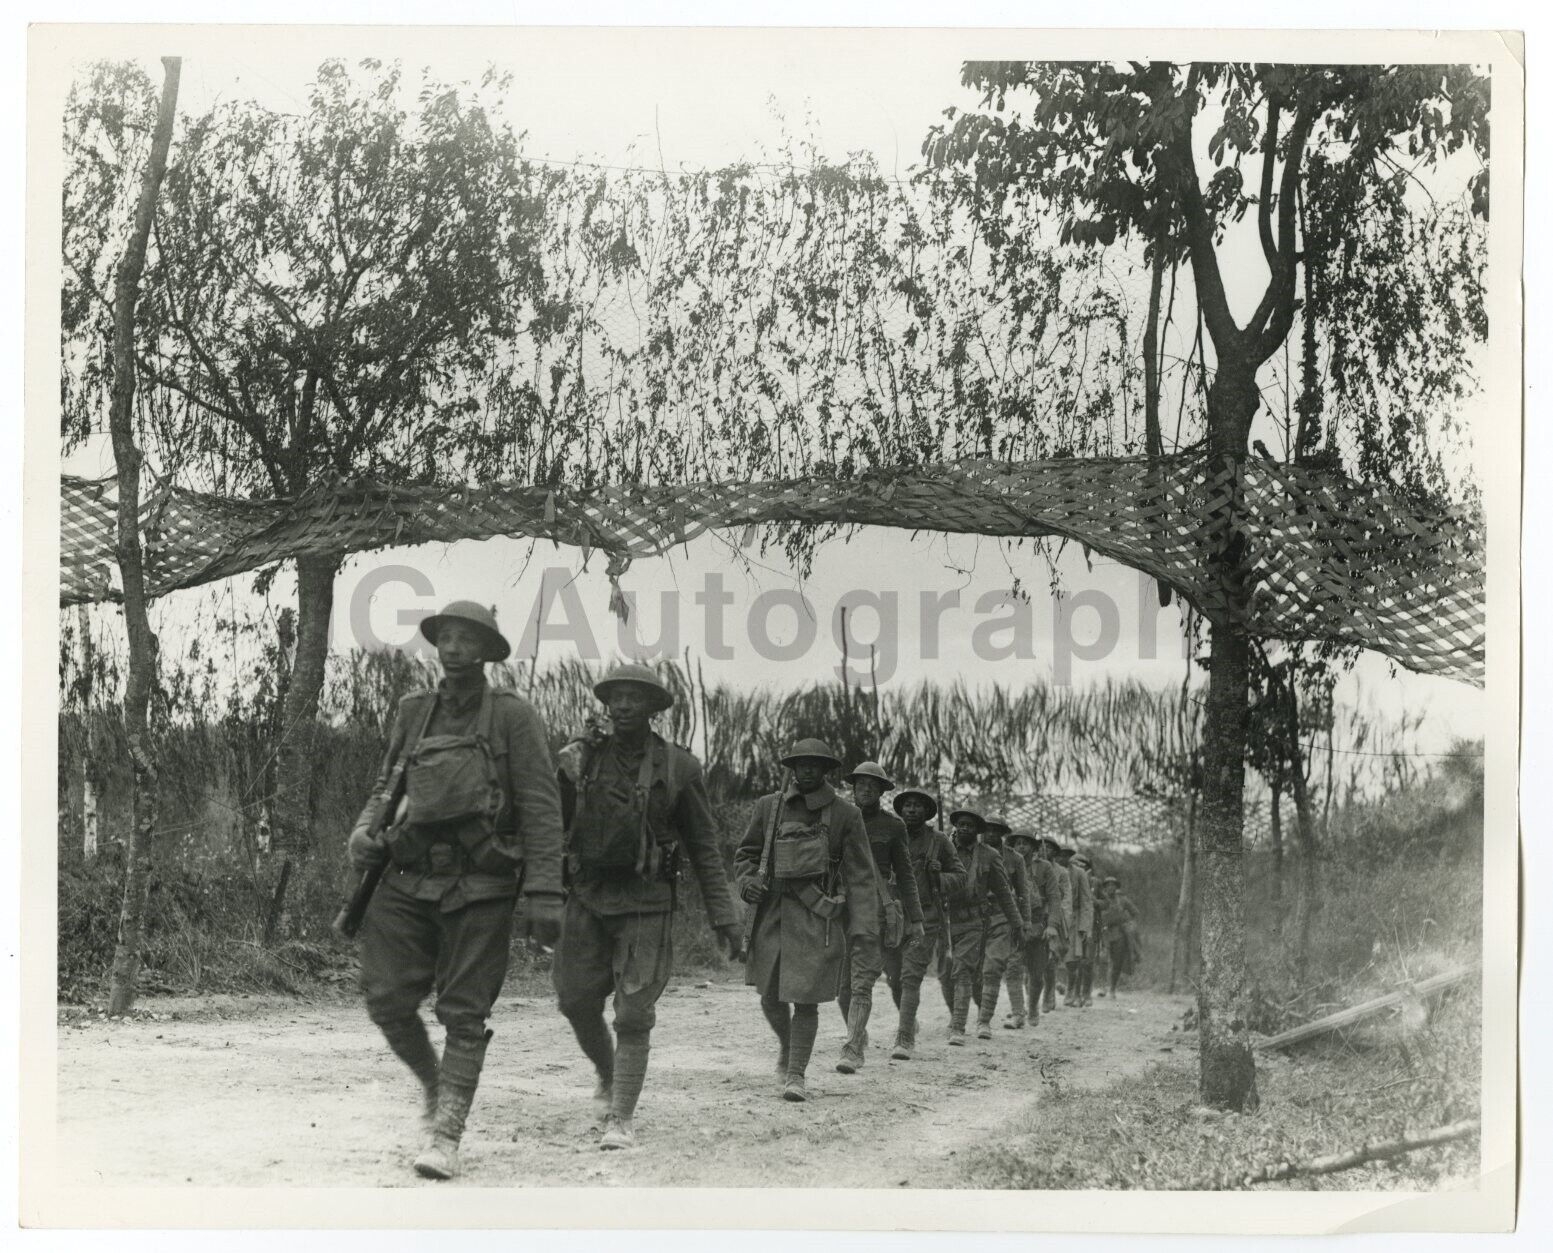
(1057, 953)
(924, 846)
(616, 932)
(1081, 956)
(981, 912)
(1120, 932)
(820, 888)
(1027, 968)
(866, 959)
(1003, 942)
(441, 919)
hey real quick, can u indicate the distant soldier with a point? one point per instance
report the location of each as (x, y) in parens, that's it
(1027, 972)
(480, 818)
(1003, 942)
(900, 914)
(939, 874)
(983, 910)
(1121, 931)
(1057, 954)
(1081, 957)
(805, 866)
(633, 803)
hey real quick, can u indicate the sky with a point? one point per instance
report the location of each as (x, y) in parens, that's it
(619, 98)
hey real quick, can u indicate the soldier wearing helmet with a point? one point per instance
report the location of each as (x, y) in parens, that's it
(805, 869)
(634, 805)
(900, 914)
(479, 816)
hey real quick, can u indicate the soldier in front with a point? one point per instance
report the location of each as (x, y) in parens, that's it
(479, 822)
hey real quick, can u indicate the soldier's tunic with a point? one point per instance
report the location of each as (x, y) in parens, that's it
(1120, 929)
(1057, 954)
(866, 961)
(984, 904)
(1004, 940)
(795, 954)
(615, 934)
(441, 919)
(1082, 956)
(1045, 912)
(924, 846)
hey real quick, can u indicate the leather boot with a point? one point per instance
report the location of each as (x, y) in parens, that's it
(906, 1031)
(408, 1039)
(962, 1010)
(800, 1046)
(853, 1052)
(1016, 1003)
(631, 1052)
(457, 1078)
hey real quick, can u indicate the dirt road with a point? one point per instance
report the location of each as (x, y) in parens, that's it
(226, 1090)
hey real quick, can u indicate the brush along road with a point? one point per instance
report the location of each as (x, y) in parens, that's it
(237, 1091)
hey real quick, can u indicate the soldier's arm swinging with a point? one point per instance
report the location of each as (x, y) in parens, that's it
(1005, 894)
(905, 879)
(698, 836)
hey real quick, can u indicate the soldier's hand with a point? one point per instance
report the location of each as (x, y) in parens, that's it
(915, 932)
(542, 919)
(753, 892)
(365, 852)
(730, 936)
(1049, 934)
(934, 866)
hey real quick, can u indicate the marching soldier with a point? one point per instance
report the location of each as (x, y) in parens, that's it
(1082, 955)
(939, 873)
(1121, 931)
(480, 820)
(986, 888)
(804, 865)
(1003, 943)
(1057, 953)
(900, 914)
(1027, 969)
(634, 804)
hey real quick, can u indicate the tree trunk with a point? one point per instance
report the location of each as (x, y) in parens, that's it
(1227, 1071)
(294, 755)
(89, 824)
(142, 644)
(1181, 940)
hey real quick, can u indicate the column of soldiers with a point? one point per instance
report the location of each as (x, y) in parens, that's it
(469, 814)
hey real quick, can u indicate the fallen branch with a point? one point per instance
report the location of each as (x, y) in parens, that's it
(1358, 1013)
(1335, 1162)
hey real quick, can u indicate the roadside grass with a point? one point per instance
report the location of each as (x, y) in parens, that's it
(1411, 1072)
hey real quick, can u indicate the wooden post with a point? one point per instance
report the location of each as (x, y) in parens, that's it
(89, 827)
(142, 644)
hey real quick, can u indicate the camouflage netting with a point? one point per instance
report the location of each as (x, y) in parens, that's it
(1328, 559)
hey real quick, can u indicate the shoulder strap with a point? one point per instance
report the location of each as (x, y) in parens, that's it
(486, 718)
(414, 741)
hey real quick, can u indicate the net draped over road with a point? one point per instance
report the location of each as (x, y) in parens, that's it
(1325, 558)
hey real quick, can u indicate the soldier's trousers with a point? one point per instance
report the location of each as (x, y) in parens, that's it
(1025, 973)
(1001, 946)
(410, 948)
(629, 957)
(962, 980)
(915, 958)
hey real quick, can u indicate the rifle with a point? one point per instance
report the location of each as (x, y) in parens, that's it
(347, 923)
(764, 871)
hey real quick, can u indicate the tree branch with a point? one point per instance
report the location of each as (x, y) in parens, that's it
(1264, 208)
(1275, 312)
(1199, 231)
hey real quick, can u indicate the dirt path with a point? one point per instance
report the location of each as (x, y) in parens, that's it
(239, 1091)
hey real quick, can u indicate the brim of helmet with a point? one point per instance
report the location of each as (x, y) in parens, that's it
(500, 648)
